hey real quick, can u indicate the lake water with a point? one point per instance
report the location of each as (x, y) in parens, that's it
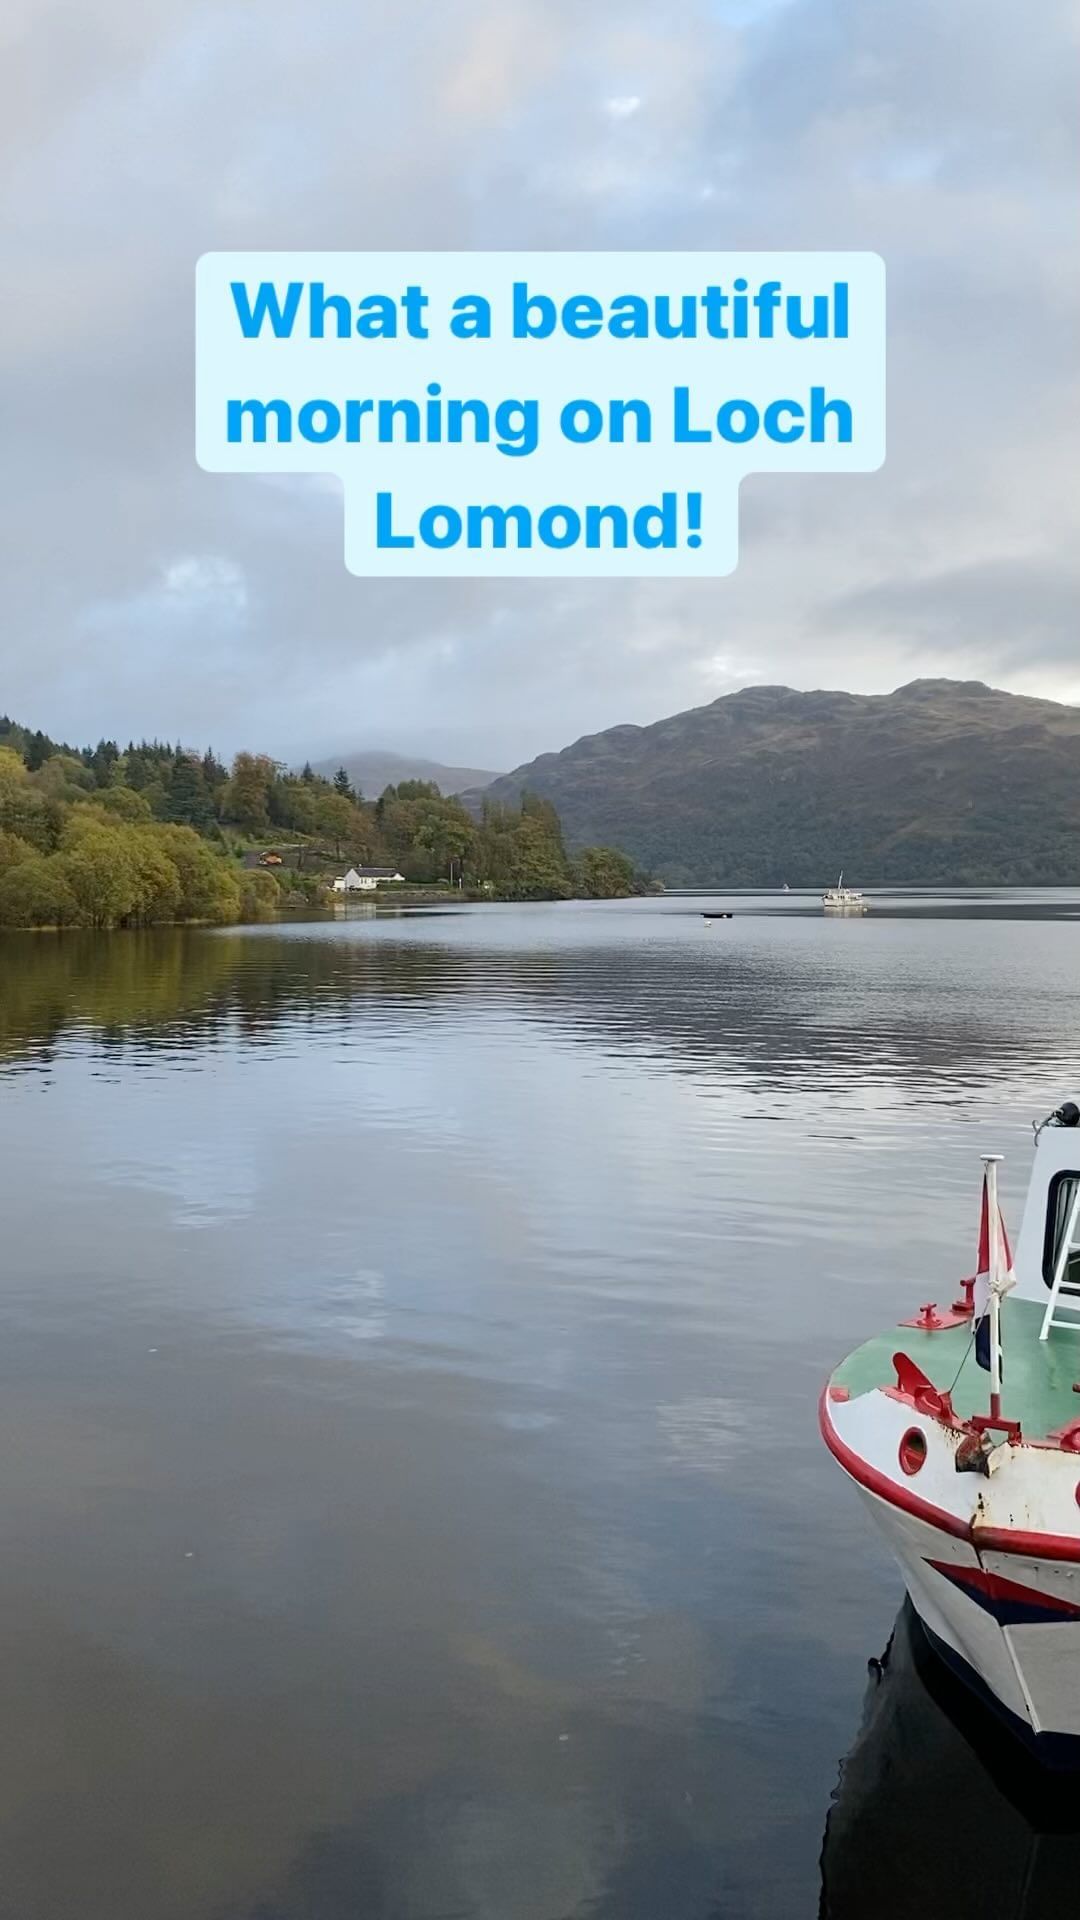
(411, 1331)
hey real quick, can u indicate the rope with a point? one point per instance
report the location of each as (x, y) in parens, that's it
(965, 1355)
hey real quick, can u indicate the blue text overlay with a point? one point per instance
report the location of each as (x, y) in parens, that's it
(553, 414)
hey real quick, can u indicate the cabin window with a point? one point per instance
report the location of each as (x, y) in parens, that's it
(1063, 1221)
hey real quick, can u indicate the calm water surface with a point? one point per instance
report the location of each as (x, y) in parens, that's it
(412, 1330)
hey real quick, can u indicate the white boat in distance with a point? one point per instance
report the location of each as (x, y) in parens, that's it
(841, 899)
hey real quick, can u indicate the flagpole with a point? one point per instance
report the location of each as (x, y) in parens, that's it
(991, 1162)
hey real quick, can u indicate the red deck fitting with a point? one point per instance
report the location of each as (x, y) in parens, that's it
(930, 1319)
(966, 1306)
(995, 1423)
(912, 1384)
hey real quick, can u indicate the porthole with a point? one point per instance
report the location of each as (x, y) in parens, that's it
(912, 1450)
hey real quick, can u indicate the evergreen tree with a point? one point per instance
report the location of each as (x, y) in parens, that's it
(214, 774)
(187, 802)
(102, 761)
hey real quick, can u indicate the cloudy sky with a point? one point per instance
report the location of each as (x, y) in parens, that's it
(144, 596)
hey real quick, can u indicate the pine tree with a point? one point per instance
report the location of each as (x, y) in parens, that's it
(102, 760)
(188, 803)
(214, 773)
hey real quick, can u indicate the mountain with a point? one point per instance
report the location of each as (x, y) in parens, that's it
(943, 780)
(374, 771)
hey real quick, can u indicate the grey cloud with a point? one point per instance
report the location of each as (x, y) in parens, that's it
(1024, 609)
(143, 595)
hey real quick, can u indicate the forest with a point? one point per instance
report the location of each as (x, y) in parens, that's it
(152, 833)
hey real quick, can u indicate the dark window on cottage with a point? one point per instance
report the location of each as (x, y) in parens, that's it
(1063, 1223)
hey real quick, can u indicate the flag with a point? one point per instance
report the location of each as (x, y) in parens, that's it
(992, 1260)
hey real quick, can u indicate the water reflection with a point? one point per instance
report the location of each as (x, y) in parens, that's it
(780, 1001)
(938, 1808)
(410, 1337)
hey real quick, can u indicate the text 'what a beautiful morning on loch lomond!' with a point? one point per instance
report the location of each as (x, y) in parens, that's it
(540, 414)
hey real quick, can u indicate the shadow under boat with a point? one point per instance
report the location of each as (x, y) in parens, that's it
(940, 1810)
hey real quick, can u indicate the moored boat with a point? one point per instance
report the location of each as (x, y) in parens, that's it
(961, 1430)
(841, 899)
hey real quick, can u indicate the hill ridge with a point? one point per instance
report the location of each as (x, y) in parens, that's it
(372, 769)
(948, 781)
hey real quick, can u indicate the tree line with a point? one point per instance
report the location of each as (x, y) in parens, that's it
(107, 837)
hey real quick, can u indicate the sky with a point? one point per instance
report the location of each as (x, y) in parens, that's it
(142, 596)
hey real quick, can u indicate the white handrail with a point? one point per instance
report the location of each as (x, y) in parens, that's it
(1060, 1266)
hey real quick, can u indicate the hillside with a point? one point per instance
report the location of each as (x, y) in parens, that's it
(373, 771)
(151, 834)
(943, 780)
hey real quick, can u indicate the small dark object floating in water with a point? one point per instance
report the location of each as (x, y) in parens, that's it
(718, 916)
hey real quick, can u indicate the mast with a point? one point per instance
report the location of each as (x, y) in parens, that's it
(991, 1162)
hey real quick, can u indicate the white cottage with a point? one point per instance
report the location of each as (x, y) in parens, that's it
(365, 879)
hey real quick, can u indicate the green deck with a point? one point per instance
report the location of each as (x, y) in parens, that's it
(1037, 1388)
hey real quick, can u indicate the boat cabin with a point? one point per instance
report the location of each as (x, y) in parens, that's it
(1049, 1243)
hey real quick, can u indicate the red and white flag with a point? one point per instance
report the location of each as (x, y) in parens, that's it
(993, 1271)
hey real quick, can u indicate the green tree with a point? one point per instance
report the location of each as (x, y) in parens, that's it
(38, 749)
(209, 890)
(260, 897)
(35, 893)
(100, 870)
(24, 810)
(422, 831)
(337, 818)
(214, 774)
(157, 882)
(538, 868)
(13, 850)
(188, 802)
(63, 777)
(602, 873)
(247, 796)
(125, 804)
(102, 761)
(13, 773)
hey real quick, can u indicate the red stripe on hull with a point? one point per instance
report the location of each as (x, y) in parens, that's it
(994, 1586)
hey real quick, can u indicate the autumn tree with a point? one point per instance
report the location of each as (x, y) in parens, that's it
(35, 893)
(337, 818)
(602, 873)
(247, 796)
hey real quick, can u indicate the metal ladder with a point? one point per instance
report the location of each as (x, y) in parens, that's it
(1064, 1295)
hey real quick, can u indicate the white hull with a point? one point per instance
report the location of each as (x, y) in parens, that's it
(1031, 1668)
(1005, 1613)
